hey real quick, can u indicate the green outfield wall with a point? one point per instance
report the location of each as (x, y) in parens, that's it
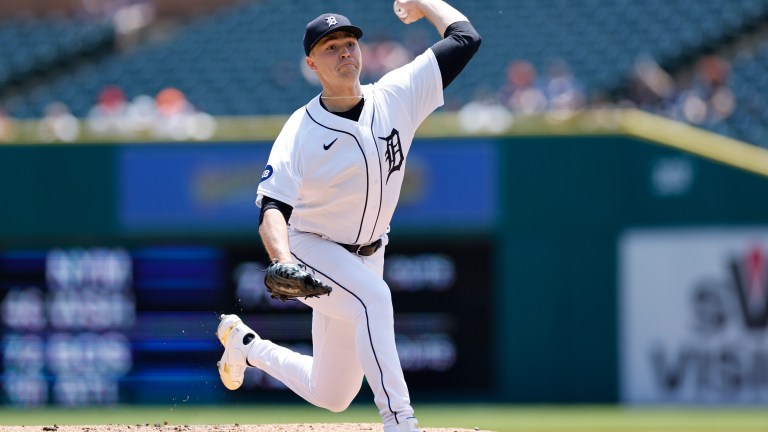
(566, 201)
(563, 193)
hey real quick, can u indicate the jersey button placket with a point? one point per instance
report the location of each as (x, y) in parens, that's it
(378, 190)
(365, 231)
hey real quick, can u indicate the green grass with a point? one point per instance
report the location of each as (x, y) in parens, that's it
(499, 418)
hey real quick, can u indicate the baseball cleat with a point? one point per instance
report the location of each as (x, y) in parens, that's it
(409, 425)
(237, 339)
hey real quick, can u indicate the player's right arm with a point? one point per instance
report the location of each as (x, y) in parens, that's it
(438, 12)
(419, 85)
(460, 39)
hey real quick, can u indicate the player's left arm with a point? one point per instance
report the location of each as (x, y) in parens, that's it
(274, 236)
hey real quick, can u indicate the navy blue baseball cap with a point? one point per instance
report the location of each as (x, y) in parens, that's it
(326, 24)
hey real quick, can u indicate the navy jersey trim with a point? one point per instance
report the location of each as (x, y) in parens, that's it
(368, 327)
(381, 176)
(365, 159)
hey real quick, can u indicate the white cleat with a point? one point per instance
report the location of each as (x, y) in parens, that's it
(237, 339)
(409, 425)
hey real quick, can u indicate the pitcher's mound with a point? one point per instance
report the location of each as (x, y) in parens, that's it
(301, 427)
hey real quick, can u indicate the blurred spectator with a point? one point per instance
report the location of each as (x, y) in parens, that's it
(562, 90)
(711, 84)
(107, 117)
(58, 124)
(9, 129)
(169, 115)
(485, 115)
(178, 119)
(130, 18)
(521, 93)
(689, 107)
(131, 21)
(141, 114)
(650, 87)
(172, 102)
(700, 97)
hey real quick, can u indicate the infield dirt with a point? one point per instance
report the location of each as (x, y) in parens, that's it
(300, 427)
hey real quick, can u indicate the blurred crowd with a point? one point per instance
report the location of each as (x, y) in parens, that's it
(700, 96)
(524, 93)
(166, 116)
(169, 115)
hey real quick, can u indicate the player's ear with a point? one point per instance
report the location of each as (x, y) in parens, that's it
(311, 63)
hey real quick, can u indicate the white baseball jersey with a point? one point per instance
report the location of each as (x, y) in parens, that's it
(343, 177)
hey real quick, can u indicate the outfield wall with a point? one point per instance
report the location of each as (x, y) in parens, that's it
(571, 329)
(559, 264)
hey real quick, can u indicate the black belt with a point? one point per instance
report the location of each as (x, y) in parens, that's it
(362, 250)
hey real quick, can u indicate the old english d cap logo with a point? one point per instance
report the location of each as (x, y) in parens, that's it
(326, 24)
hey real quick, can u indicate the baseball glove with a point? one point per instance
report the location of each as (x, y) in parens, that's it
(291, 281)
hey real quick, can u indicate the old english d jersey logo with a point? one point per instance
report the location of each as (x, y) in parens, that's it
(393, 152)
(344, 177)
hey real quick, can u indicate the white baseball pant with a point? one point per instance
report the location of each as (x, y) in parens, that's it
(352, 334)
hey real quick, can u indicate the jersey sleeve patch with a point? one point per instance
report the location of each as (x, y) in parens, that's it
(268, 171)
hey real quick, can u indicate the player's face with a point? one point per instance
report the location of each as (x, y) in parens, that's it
(336, 58)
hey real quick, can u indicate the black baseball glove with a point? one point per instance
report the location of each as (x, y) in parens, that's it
(291, 281)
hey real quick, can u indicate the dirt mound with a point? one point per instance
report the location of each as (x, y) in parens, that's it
(302, 427)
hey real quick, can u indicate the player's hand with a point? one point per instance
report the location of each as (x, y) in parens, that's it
(410, 10)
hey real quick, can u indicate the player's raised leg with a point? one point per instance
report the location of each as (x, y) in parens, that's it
(330, 378)
(361, 297)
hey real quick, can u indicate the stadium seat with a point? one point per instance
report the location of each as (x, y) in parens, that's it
(227, 66)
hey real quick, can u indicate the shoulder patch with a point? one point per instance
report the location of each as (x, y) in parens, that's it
(267, 173)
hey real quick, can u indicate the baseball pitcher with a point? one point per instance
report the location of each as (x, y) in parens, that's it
(327, 196)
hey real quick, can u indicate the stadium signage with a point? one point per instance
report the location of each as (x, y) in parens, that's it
(694, 307)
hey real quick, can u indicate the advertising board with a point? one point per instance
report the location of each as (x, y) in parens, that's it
(694, 315)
